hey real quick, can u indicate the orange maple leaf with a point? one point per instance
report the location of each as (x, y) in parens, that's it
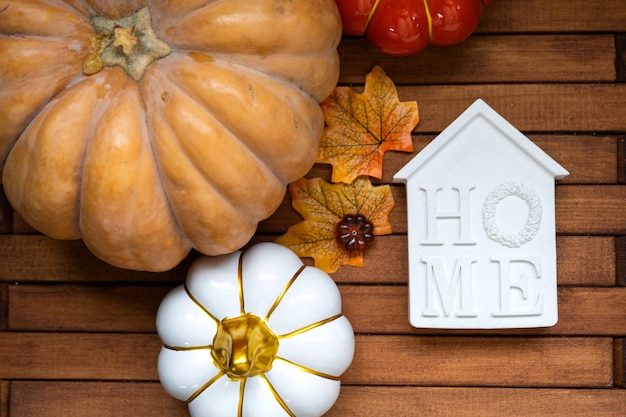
(323, 206)
(361, 127)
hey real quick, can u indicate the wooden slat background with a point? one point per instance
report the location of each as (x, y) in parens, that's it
(77, 337)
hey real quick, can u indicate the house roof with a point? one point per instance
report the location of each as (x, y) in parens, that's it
(481, 109)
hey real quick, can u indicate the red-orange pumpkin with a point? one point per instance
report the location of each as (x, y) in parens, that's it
(148, 128)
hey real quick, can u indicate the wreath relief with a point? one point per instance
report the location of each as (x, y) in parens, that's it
(533, 223)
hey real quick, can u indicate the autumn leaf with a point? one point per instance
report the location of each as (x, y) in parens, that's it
(361, 127)
(323, 206)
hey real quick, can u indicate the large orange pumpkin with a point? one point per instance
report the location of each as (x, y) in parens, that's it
(151, 127)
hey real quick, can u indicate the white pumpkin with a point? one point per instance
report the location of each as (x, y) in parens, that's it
(254, 333)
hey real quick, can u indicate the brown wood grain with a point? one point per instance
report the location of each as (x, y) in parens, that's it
(124, 308)
(131, 308)
(379, 360)
(84, 356)
(585, 260)
(582, 311)
(34, 257)
(581, 260)
(593, 210)
(129, 399)
(529, 107)
(591, 159)
(452, 361)
(4, 398)
(518, 58)
(477, 402)
(554, 16)
(93, 399)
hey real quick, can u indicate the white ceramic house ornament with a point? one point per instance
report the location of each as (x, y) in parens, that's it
(481, 227)
(254, 334)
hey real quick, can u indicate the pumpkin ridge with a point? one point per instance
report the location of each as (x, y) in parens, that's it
(34, 18)
(161, 175)
(119, 184)
(253, 26)
(317, 83)
(16, 190)
(22, 98)
(268, 84)
(233, 134)
(206, 232)
(230, 128)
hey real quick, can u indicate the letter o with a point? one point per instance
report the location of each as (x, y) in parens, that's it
(530, 229)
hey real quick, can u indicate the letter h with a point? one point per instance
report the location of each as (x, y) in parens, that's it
(433, 214)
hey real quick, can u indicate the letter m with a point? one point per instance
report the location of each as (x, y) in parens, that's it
(439, 284)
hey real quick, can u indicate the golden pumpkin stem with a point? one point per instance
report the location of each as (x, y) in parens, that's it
(128, 42)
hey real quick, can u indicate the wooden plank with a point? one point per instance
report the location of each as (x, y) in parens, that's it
(93, 399)
(121, 399)
(553, 16)
(81, 356)
(510, 58)
(39, 258)
(4, 398)
(528, 107)
(581, 260)
(485, 361)
(83, 308)
(593, 210)
(477, 402)
(585, 260)
(591, 159)
(582, 311)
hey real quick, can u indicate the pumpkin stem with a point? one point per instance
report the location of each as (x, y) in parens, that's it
(244, 346)
(126, 38)
(128, 42)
